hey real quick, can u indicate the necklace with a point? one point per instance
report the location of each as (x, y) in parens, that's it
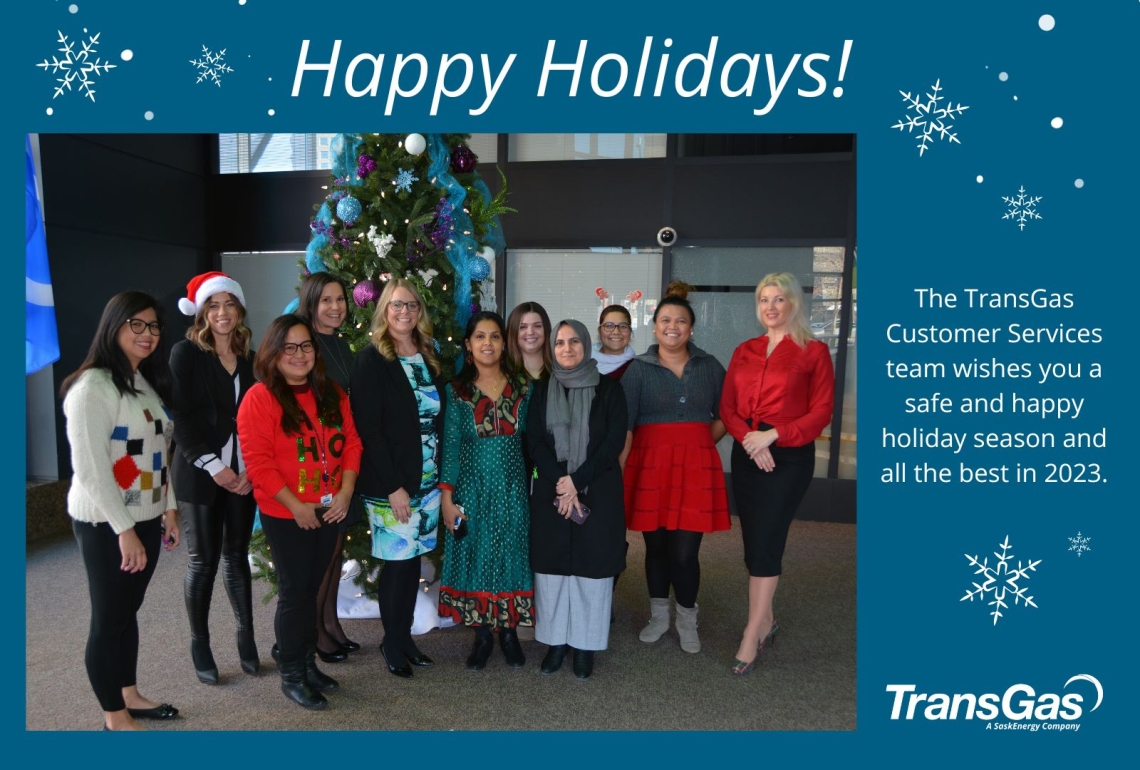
(501, 383)
(336, 357)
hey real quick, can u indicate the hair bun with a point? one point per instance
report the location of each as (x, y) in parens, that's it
(678, 289)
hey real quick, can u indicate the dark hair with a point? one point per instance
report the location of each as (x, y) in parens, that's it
(309, 293)
(615, 309)
(326, 392)
(676, 293)
(466, 378)
(105, 352)
(514, 320)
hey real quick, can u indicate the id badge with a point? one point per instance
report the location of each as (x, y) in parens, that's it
(326, 499)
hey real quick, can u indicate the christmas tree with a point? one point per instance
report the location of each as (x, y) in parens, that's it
(411, 206)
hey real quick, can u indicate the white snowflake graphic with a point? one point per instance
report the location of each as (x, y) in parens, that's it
(211, 66)
(1079, 544)
(1022, 207)
(1001, 580)
(404, 180)
(929, 117)
(78, 67)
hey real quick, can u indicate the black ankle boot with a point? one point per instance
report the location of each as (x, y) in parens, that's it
(204, 665)
(512, 650)
(552, 661)
(481, 649)
(583, 663)
(296, 689)
(247, 651)
(314, 677)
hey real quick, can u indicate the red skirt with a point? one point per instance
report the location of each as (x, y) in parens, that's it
(674, 479)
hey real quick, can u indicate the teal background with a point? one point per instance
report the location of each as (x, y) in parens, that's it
(922, 222)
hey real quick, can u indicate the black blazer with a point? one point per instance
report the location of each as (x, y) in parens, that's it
(558, 546)
(388, 421)
(205, 416)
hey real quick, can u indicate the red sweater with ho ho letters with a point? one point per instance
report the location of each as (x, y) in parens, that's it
(275, 460)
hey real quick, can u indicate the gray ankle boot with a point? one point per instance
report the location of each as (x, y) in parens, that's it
(687, 628)
(658, 621)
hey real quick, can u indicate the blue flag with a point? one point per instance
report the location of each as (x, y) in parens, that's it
(40, 336)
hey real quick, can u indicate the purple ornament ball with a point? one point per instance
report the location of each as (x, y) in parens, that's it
(366, 291)
(463, 160)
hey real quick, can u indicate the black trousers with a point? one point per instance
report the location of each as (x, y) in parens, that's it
(766, 503)
(116, 596)
(214, 534)
(396, 591)
(300, 557)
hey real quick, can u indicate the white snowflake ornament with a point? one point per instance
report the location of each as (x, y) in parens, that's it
(1022, 207)
(1001, 581)
(211, 66)
(930, 118)
(78, 67)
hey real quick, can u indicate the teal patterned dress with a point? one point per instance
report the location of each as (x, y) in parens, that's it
(486, 576)
(391, 540)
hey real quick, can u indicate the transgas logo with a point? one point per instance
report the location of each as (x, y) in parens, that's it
(1020, 707)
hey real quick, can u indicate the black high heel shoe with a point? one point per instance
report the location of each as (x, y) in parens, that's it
(337, 656)
(204, 665)
(404, 671)
(349, 646)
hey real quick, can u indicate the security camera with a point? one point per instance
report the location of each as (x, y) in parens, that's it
(666, 236)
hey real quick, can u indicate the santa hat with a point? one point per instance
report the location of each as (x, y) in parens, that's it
(204, 286)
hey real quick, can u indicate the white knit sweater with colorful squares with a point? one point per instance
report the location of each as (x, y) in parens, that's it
(120, 451)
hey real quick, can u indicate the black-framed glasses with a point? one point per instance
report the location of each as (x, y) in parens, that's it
(291, 348)
(400, 305)
(610, 326)
(138, 326)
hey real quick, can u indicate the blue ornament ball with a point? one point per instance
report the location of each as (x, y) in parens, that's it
(348, 209)
(480, 269)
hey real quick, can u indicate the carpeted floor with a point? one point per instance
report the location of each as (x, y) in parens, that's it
(806, 683)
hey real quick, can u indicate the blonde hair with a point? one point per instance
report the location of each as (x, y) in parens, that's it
(421, 335)
(201, 335)
(789, 286)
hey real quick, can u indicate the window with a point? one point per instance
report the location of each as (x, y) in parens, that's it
(578, 283)
(585, 146)
(254, 153)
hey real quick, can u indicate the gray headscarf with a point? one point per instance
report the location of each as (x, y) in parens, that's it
(569, 396)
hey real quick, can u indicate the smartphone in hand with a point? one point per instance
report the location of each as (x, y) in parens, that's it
(460, 530)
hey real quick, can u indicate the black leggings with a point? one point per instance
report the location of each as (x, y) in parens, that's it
(396, 592)
(116, 596)
(300, 556)
(218, 533)
(671, 559)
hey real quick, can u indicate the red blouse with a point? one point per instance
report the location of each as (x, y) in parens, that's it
(793, 390)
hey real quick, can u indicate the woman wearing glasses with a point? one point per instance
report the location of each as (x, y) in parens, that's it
(396, 388)
(612, 351)
(119, 500)
(303, 455)
(212, 370)
(323, 302)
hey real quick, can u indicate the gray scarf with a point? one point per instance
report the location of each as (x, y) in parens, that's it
(569, 396)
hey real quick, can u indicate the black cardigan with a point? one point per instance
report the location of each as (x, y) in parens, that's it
(205, 416)
(558, 546)
(388, 421)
